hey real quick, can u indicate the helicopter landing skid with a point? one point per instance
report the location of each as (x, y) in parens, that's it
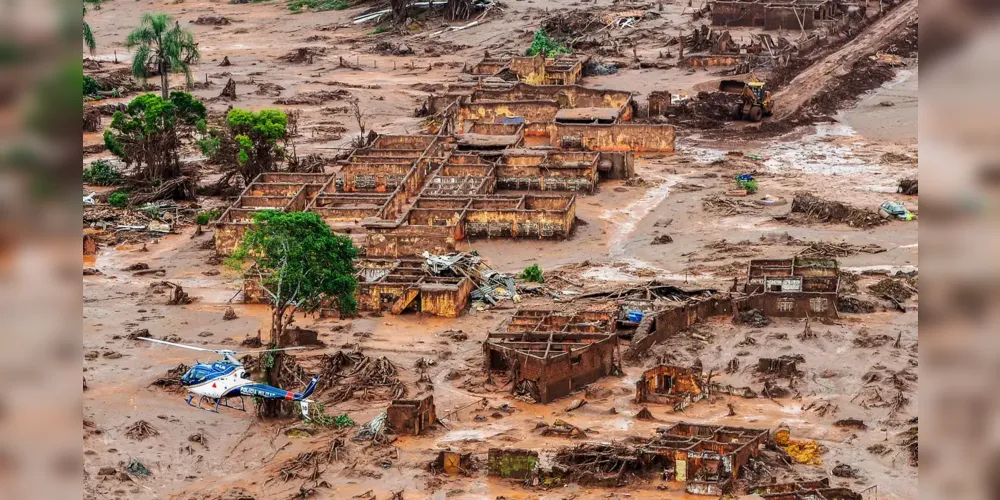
(223, 402)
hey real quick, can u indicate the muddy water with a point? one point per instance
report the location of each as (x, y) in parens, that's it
(888, 113)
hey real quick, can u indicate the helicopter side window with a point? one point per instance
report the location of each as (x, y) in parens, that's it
(245, 375)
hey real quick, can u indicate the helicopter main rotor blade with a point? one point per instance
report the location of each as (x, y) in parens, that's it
(193, 348)
(270, 350)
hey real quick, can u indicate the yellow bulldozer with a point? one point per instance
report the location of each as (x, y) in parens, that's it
(755, 100)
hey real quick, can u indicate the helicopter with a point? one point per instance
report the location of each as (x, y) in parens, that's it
(219, 381)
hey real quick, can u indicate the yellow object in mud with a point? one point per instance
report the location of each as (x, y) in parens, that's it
(803, 452)
(782, 437)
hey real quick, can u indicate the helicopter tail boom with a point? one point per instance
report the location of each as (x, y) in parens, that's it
(309, 388)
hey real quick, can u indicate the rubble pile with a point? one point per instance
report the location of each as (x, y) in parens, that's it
(893, 289)
(831, 250)
(352, 374)
(171, 381)
(141, 430)
(753, 317)
(854, 305)
(609, 464)
(213, 20)
(708, 110)
(492, 286)
(728, 206)
(834, 211)
(316, 97)
(907, 187)
(303, 55)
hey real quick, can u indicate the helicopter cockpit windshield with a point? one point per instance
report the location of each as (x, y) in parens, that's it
(202, 372)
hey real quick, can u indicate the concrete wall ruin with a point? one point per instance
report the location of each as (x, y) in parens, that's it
(411, 416)
(670, 385)
(551, 354)
(511, 463)
(400, 285)
(707, 458)
(663, 324)
(616, 137)
(793, 288)
(560, 70)
(774, 14)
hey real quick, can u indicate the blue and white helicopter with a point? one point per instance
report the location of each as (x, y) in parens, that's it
(221, 380)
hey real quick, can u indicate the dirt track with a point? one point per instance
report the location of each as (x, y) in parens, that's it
(817, 77)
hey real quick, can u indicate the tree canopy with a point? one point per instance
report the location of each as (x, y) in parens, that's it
(257, 136)
(160, 43)
(149, 132)
(300, 262)
(546, 46)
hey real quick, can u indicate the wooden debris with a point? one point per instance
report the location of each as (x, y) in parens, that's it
(140, 431)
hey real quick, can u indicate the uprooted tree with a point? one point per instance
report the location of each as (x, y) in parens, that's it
(302, 266)
(148, 135)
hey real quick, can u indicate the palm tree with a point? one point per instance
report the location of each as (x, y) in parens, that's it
(159, 41)
(88, 36)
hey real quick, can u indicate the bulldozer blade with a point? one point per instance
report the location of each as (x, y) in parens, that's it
(732, 86)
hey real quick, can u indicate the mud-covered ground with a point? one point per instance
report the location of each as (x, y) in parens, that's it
(849, 365)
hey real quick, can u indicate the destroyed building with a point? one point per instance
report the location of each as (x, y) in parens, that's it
(549, 354)
(689, 308)
(707, 458)
(793, 288)
(440, 285)
(565, 117)
(669, 385)
(407, 416)
(408, 194)
(798, 15)
(401, 285)
(803, 490)
(560, 70)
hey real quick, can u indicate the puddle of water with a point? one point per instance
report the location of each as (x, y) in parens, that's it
(467, 435)
(890, 269)
(619, 424)
(743, 222)
(703, 155)
(626, 274)
(626, 218)
(902, 76)
(877, 189)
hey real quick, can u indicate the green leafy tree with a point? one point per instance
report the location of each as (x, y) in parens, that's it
(545, 46)
(102, 173)
(148, 135)
(88, 35)
(118, 199)
(302, 265)
(533, 274)
(256, 136)
(160, 43)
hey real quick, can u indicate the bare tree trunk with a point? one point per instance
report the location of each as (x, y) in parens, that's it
(277, 323)
(273, 408)
(399, 10)
(164, 81)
